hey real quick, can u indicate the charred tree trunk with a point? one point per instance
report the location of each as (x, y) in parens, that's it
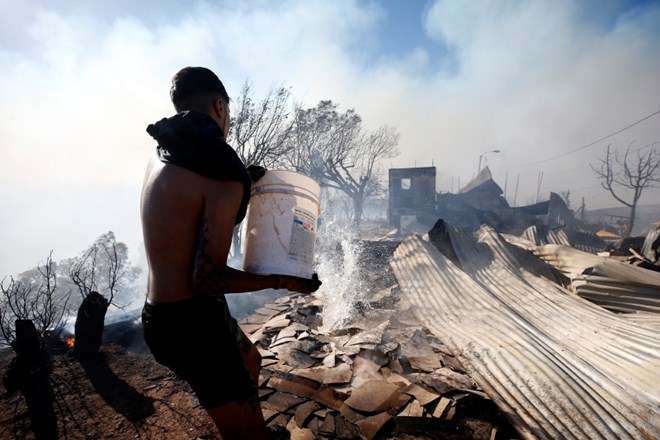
(89, 325)
(631, 221)
(31, 358)
(358, 211)
(29, 372)
(28, 346)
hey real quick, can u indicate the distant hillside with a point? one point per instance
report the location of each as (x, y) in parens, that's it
(646, 216)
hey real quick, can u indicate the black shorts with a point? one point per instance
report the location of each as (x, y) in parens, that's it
(198, 339)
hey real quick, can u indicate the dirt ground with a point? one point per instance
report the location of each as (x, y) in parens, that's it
(119, 395)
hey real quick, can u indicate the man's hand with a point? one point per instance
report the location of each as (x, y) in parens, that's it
(255, 172)
(300, 285)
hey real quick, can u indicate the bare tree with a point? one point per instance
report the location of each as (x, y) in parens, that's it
(334, 149)
(314, 132)
(83, 271)
(623, 174)
(259, 130)
(103, 267)
(32, 298)
(98, 274)
(354, 173)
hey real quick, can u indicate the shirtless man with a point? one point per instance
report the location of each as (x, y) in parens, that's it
(195, 191)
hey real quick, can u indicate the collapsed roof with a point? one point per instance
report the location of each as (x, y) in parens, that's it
(556, 364)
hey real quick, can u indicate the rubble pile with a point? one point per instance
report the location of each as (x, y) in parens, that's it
(382, 376)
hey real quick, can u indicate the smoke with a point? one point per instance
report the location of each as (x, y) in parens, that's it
(532, 79)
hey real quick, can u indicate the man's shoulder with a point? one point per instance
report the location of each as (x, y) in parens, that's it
(216, 160)
(178, 176)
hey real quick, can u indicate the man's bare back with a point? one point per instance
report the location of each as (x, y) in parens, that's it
(176, 206)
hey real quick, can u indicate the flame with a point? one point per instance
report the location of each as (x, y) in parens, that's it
(69, 342)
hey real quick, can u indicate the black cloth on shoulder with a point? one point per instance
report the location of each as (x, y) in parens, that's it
(194, 141)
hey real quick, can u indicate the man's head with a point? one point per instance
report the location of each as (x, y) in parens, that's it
(198, 88)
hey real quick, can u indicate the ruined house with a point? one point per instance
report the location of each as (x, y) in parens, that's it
(414, 206)
(412, 195)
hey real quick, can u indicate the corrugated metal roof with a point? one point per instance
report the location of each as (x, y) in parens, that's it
(581, 240)
(618, 295)
(627, 272)
(651, 247)
(615, 285)
(556, 365)
(644, 318)
(559, 215)
(547, 236)
(482, 182)
(567, 259)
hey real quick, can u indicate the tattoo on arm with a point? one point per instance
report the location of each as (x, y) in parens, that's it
(208, 277)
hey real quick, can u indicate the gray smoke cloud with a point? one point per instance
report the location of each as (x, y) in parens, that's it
(531, 79)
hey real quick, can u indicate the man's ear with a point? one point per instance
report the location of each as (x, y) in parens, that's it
(219, 108)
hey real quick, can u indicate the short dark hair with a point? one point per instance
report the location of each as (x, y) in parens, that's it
(195, 88)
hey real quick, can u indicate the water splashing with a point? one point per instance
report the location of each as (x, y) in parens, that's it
(338, 265)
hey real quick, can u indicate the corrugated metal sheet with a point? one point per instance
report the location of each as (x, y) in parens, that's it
(546, 236)
(559, 215)
(568, 260)
(557, 366)
(482, 182)
(615, 285)
(581, 240)
(644, 318)
(586, 241)
(627, 272)
(618, 295)
(651, 246)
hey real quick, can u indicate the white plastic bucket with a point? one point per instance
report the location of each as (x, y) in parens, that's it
(281, 226)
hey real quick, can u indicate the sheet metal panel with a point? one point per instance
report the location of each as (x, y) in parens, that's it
(651, 246)
(644, 318)
(476, 260)
(581, 240)
(618, 295)
(567, 259)
(556, 365)
(548, 236)
(612, 284)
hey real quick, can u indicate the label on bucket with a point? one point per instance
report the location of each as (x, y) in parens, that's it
(301, 246)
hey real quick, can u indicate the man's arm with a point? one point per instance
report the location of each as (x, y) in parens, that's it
(212, 275)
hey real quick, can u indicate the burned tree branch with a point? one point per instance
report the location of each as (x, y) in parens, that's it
(259, 131)
(626, 173)
(334, 149)
(32, 299)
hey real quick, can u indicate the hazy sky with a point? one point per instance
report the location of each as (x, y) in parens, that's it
(534, 79)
